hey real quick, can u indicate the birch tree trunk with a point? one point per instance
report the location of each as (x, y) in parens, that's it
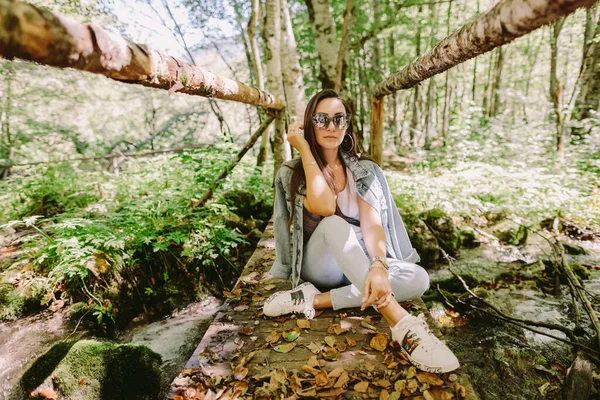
(588, 98)
(506, 21)
(293, 82)
(341, 57)
(414, 130)
(497, 77)
(429, 109)
(323, 25)
(447, 94)
(257, 66)
(555, 86)
(7, 71)
(281, 150)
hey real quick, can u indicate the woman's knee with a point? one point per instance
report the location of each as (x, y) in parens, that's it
(333, 223)
(410, 283)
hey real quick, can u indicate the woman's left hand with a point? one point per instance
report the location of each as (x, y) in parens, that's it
(377, 290)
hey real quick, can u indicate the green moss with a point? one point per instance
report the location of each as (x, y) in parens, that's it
(469, 238)
(89, 370)
(12, 302)
(580, 271)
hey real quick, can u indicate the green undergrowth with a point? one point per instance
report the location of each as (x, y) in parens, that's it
(129, 242)
(497, 167)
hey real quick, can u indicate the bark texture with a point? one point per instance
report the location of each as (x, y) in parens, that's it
(30, 33)
(293, 82)
(321, 18)
(506, 21)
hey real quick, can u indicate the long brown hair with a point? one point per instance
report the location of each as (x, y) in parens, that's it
(298, 176)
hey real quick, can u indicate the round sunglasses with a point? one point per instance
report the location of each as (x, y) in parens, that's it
(322, 120)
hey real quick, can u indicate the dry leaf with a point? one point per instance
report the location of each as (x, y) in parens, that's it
(335, 329)
(247, 330)
(367, 325)
(462, 392)
(273, 337)
(321, 379)
(330, 340)
(412, 385)
(310, 370)
(432, 379)
(240, 388)
(331, 354)
(236, 292)
(330, 393)
(284, 348)
(291, 335)
(336, 372)
(258, 298)
(269, 287)
(400, 385)
(312, 361)
(81, 381)
(395, 396)
(48, 393)
(361, 387)
(369, 367)
(379, 342)
(241, 307)
(438, 394)
(240, 372)
(310, 392)
(315, 348)
(351, 342)
(177, 397)
(384, 394)
(392, 365)
(278, 379)
(342, 381)
(412, 371)
(303, 324)
(383, 383)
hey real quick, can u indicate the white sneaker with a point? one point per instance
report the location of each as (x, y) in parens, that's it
(296, 300)
(422, 347)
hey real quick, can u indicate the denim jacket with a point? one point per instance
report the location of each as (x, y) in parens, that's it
(371, 185)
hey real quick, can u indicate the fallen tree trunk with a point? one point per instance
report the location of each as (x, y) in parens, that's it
(506, 21)
(33, 34)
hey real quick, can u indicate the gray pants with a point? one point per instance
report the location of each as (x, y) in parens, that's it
(335, 259)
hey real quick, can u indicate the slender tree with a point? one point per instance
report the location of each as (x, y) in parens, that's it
(555, 85)
(326, 44)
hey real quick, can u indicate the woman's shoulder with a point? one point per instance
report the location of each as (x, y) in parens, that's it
(369, 164)
(286, 169)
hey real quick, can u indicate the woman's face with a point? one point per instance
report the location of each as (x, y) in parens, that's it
(329, 137)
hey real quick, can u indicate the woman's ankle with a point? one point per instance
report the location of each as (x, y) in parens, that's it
(322, 300)
(393, 313)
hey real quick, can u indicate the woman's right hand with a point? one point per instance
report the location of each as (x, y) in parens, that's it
(295, 137)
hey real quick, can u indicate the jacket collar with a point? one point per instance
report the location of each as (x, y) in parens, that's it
(355, 166)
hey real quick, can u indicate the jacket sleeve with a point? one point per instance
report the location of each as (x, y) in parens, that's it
(282, 266)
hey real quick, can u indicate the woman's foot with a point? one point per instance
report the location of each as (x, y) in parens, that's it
(296, 300)
(422, 347)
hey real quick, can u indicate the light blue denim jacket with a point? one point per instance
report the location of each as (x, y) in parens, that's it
(371, 185)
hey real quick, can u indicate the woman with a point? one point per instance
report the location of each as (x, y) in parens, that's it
(347, 237)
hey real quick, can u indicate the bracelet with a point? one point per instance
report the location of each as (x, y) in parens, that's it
(310, 163)
(382, 263)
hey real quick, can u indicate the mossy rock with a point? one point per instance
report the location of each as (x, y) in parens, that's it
(509, 232)
(90, 370)
(444, 229)
(421, 239)
(469, 238)
(581, 271)
(495, 214)
(12, 303)
(78, 310)
(574, 249)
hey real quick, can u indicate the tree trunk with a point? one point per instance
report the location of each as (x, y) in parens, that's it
(588, 98)
(320, 14)
(501, 24)
(429, 109)
(495, 105)
(293, 82)
(446, 111)
(40, 36)
(579, 379)
(281, 150)
(555, 86)
(7, 71)
(414, 130)
(376, 148)
(341, 57)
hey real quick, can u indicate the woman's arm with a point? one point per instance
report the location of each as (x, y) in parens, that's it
(319, 198)
(377, 288)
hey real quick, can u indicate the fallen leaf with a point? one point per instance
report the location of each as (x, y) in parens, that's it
(330, 393)
(330, 340)
(336, 372)
(379, 342)
(412, 385)
(258, 298)
(351, 342)
(369, 367)
(236, 292)
(278, 379)
(247, 330)
(310, 370)
(335, 329)
(367, 325)
(395, 396)
(177, 397)
(190, 393)
(291, 335)
(382, 383)
(321, 379)
(284, 348)
(431, 379)
(439, 394)
(310, 392)
(303, 324)
(312, 361)
(361, 387)
(399, 385)
(315, 348)
(543, 388)
(269, 287)
(273, 337)
(81, 381)
(342, 381)
(48, 393)
(462, 392)
(240, 388)
(412, 371)
(392, 365)
(241, 307)
(384, 394)
(331, 354)
(240, 372)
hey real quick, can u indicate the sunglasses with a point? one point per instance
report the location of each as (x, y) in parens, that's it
(322, 120)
